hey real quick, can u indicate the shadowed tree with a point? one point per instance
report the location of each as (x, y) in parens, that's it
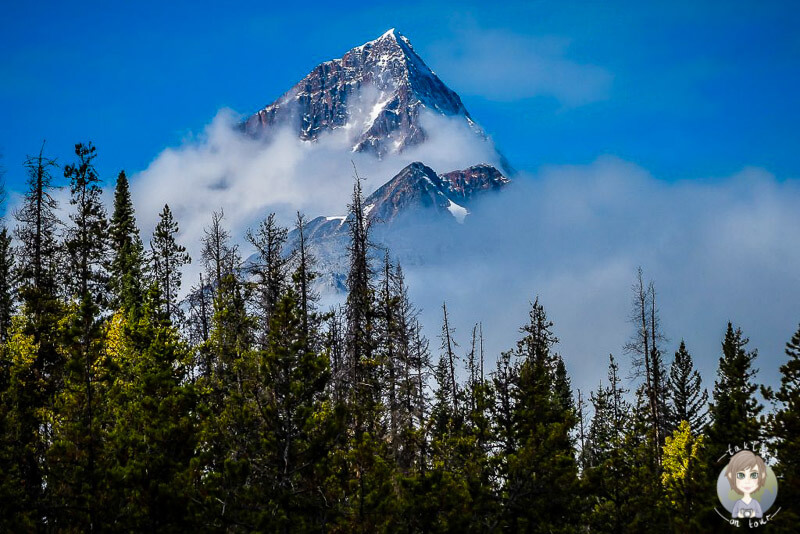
(784, 427)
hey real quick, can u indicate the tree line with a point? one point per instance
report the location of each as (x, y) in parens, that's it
(245, 407)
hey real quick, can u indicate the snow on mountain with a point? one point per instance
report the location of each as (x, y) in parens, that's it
(375, 92)
(414, 197)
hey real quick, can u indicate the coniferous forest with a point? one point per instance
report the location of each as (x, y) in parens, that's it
(245, 407)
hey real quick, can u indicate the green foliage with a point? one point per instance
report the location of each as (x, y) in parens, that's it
(681, 473)
(152, 431)
(167, 257)
(273, 417)
(687, 398)
(7, 284)
(126, 268)
(784, 427)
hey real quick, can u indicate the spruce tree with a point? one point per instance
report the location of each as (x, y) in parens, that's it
(32, 365)
(167, 257)
(687, 400)
(608, 471)
(36, 232)
(540, 493)
(76, 477)
(366, 454)
(127, 251)
(733, 415)
(7, 284)
(735, 409)
(784, 427)
(304, 275)
(152, 434)
(87, 239)
(270, 268)
(648, 364)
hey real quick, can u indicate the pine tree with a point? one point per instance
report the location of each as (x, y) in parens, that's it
(127, 250)
(37, 233)
(648, 363)
(167, 258)
(7, 284)
(784, 427)
(542, 480)
(606, 476)
(21, 446)
(152, 432)
(733, 414)
(687, 399)
(360, 343)
(734, 411)
(304, 275)
(75, 484)
(32, 366)
(366, 454)
(219, 256)
(86, 243)
(269, 268)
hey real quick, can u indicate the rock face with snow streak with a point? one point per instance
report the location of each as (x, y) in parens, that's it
(415, 193)
(376, 92)
(417, 186)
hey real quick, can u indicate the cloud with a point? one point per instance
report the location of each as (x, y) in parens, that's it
(503, 66)
(249, 178)
(717, 250)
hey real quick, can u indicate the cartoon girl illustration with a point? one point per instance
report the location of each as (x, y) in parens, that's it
(746, 473)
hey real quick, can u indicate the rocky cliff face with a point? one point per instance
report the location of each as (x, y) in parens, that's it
(375, 92)
(416, 195)
(418, 186)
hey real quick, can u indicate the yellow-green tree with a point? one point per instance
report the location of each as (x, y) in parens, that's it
(681, 477)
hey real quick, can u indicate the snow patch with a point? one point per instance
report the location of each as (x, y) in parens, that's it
(459, 212)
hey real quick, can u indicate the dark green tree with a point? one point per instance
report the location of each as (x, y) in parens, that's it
(167, 257)
(784, 428)
(87, 240)
(31, 364)
(688, 400)
(270, 269)
(7, 284)
(607, 473)
(542, 482)
(733, 417)
(126, 268)
(152, 434)
(735, 409)
(75, 481)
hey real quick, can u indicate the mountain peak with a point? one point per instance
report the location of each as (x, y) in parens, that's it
(375, 93)
(418, 186)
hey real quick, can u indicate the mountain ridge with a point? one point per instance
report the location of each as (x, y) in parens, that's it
(375, 91)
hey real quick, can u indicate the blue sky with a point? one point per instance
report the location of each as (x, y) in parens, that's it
(684, 90)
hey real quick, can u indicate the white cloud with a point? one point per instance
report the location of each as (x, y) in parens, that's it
(249, 178)
(503, 66)
(717, 249)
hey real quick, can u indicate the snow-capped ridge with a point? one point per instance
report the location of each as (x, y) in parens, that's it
(375, 92)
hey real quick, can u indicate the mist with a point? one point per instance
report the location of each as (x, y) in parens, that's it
(717, 248)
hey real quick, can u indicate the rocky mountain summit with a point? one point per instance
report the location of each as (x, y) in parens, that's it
(375, 92)
(414, 195)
